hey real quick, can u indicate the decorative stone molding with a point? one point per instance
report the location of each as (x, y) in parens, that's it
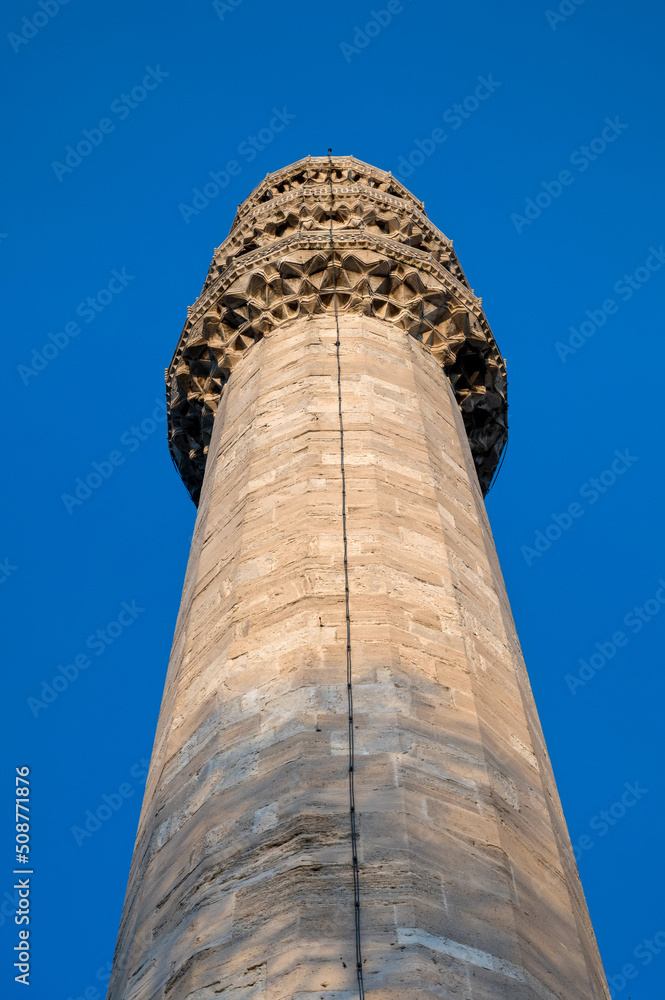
(277, 266)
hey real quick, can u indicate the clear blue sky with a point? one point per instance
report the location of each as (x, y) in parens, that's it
(208, 80)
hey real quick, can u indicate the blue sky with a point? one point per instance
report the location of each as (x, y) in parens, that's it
(549, 180)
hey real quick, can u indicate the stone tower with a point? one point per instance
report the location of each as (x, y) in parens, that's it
(349, 791)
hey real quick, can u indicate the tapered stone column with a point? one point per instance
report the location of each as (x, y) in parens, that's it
(241, 882)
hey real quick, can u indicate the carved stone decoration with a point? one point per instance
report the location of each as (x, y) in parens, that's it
(277, 265)
(349, 792)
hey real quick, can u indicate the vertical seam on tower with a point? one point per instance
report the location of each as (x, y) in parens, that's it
(349, 671)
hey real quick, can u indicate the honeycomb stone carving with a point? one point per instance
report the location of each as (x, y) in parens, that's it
(277, 265)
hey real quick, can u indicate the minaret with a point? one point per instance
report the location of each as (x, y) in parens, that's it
(349, 792)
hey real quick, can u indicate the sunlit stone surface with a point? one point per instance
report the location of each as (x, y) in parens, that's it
(241, 882)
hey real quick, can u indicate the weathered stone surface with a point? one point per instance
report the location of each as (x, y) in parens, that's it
(277, 265)
(241, 883)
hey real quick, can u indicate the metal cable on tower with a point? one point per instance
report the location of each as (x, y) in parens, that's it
(239, 880)
(349, 666)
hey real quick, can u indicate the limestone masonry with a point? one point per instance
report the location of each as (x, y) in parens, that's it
(334, 294)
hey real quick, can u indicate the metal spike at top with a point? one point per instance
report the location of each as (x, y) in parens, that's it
(274, 267)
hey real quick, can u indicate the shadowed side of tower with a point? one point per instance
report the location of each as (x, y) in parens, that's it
(242, 878)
